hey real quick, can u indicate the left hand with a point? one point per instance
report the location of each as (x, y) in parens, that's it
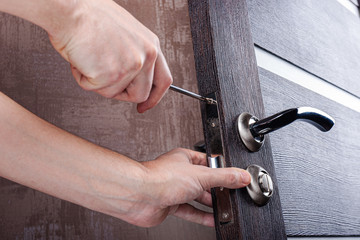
(177, 178)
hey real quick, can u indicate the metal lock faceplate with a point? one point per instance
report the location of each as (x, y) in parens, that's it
(261, 187)
(221, 196)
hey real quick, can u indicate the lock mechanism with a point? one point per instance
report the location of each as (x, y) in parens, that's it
(223, 212)
(261, 187)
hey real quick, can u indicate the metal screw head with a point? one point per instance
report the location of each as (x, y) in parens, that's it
(225, 215)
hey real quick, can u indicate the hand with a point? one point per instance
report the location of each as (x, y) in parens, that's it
(65, 166)
(113, 54)
(176, 178)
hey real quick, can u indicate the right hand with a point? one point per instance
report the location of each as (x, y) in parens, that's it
(113, 54)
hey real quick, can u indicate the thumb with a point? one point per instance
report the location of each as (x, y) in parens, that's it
(225, 177)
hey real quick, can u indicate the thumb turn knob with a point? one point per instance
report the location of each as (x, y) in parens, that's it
(252, 130)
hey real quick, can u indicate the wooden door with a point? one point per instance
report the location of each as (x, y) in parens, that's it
(307, 54)
(36, 77)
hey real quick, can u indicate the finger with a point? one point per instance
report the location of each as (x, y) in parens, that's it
(162, 81)
(76, 73)
(232, 178)
(101, 85)
(82, 80)
(192, 214)
(194, 157)
(115, 89)
(139, 88)
(205, 198)
(216, 177)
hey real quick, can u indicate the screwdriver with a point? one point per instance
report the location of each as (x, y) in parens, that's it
(193, 95)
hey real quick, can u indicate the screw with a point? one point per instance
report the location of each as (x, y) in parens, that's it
(213, 124)
(225, 215)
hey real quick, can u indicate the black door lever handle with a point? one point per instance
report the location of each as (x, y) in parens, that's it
(315, 117)
(252, 130)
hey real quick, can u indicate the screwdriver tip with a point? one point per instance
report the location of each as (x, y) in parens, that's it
(211, 101)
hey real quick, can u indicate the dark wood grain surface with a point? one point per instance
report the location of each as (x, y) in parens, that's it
(318, 173)
(226, 65)
(321, 37)
(35, 76)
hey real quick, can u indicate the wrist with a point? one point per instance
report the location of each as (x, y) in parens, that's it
(52, 15)
(60, 16)
(115, 186)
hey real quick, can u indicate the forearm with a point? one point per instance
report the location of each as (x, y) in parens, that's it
(52, 15)
(41, 156)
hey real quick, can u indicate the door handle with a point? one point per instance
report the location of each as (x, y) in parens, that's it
(252, 130)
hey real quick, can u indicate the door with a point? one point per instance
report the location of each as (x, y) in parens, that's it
(263, 57)
(36, 77)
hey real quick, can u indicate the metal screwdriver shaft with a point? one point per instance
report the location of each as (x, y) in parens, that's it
(193, 95)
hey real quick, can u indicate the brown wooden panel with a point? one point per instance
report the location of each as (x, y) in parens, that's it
(35, 76)
(318, 173)
(226, 65)
(321, 37)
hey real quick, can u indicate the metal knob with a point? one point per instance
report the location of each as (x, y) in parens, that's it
(261, 187)
(252, 130)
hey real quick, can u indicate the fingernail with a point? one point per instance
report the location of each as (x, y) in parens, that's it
(245, 176)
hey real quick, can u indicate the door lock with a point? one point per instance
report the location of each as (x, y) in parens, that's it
(224, 211)
(261, 187)
(252, 130)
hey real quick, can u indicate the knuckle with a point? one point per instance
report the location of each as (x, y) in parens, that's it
(137, 64)
(140, 97)
(179, 149)
(107, 92)
(139, 90)
(180, 152)
(152, 53)
(156, 40)
(113, 75)
(152, 49)
(168, 80)
(232, 178)
(205, 184)
(90, 85)
(133, 65)
(85, 87)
